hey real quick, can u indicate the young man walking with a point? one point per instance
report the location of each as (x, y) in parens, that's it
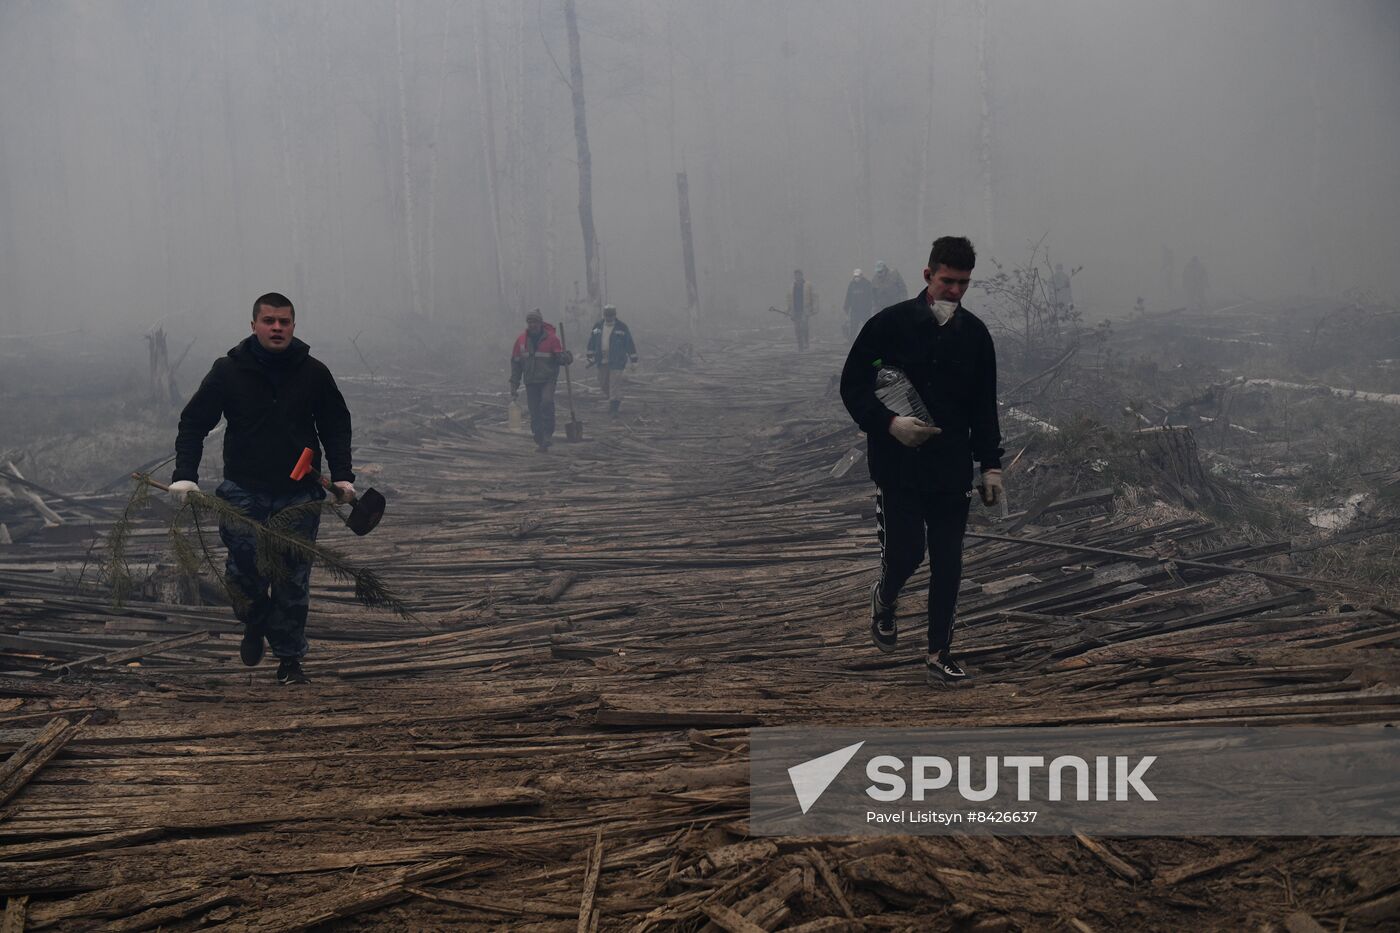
(923, 471)
(278, 400)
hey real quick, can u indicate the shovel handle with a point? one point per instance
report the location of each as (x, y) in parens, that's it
(150, 481)
(568, 383)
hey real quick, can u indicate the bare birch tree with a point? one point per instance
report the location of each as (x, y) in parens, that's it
(921, 229)
(405, 163)
(984, 147)
(585, 159)
(433, 138)
(488, 144)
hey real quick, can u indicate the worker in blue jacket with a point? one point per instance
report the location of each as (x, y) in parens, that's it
(610, 348)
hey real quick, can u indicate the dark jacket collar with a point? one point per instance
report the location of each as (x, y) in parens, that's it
(244, 354)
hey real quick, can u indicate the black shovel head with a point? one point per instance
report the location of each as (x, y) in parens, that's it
(368, 510)
(573, 430)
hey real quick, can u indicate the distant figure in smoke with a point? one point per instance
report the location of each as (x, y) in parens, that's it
(889, 286)
(1193, 279)
(535, 360)
(1061, 298)
(922, 466)
(610, 348)
(860, 303)
(801, 307)
(278, 400)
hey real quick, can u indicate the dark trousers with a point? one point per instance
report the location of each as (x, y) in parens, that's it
(540, 397)
(799, 324)
(907, 521)
(276, 601)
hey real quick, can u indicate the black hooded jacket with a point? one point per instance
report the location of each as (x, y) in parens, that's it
(954, 368)
(271, 416)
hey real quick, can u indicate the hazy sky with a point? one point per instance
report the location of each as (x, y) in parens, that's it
(175, 158)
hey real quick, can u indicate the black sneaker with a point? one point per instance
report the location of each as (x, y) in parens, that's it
(883, 630)
(944, 671)
(290, 672)
(251, 650)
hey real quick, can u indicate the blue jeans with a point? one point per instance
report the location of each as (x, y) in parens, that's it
(272, 598)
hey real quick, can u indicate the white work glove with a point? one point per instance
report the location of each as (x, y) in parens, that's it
(344, 491)
(181, 488)
(910, 431)
(991, 488)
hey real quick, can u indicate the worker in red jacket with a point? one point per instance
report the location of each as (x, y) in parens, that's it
(535, 360)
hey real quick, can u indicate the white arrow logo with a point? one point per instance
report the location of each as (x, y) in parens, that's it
(811, 778)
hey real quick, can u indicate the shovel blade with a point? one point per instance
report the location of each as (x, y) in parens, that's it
(573, 431)
(366, 513)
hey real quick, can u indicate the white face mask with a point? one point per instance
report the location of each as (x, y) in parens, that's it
(943, 311)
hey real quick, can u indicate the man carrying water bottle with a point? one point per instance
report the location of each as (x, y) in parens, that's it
(923, 471)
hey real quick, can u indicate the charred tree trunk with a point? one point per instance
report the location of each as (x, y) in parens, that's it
(337, 171)
(488, 142)
(692, 291)
(433, 164)
(1171, 462)
(405, 165)
(921, 230)
(585, 160)
(163, 392)
(858, 109)
(984, 147)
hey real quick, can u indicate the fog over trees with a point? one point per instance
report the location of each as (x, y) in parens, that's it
(172, 159)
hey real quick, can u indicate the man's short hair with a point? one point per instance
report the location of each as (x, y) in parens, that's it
(955, 252)
(274, 300)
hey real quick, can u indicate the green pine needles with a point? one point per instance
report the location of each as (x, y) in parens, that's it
(199, 517)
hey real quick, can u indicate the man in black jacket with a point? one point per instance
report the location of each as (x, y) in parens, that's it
(923, 471)
(278, 400)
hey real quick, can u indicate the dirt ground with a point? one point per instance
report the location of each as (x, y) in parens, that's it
(595, 630)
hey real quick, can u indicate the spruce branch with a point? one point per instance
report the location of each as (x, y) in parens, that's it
(276, 544)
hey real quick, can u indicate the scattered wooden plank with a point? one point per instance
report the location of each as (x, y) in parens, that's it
(58, 848)
(832, 883)
(558, 586)
(140, 651)
(587, 912)
(26, 762)
(1120, 867)
(347, 900)
(1207, 866)
(730, 920)
(514, 907)
(612, 711)
(16, 909)
(161, 917)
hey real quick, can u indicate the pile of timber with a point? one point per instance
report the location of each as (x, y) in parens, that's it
(560, 740)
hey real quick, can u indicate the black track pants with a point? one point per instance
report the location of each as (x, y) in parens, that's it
(907, 520)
